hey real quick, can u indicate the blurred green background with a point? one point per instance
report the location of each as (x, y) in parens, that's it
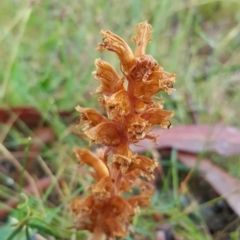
(47, 58)
(48, 50)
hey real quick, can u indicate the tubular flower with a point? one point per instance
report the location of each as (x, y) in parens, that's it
(110, 82)
(89, 117)
(145, 65)
(105, 133)
(131, 112)
(118, 104)
(157, 116)
(124, 156)
(103, 188)
(145, 165)
(136, 128)
(145, 90)
(114, 43)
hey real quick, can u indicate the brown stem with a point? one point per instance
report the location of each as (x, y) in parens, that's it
(98, 234)
(130, 91)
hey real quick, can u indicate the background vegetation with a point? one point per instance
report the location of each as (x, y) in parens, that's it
(47, 56)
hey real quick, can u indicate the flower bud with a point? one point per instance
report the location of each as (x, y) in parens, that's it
(85, 156)
(143, 32)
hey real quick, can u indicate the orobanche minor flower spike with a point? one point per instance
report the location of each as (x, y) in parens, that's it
(131, 113)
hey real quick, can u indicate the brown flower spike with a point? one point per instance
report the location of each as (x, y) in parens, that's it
(131, 112)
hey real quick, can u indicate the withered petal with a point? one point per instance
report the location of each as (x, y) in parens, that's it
(140, 106)
(119, 206)
(89, 117)
(143, 68)
(146, 166)
(113, 227)
(117, 105)
(105, 133)
(124, 156)
(82, 205)
(110, 82)
(103, 188)
(157, 81)
(136, 127)
(157, 116)
(114, 43)
(139, 200)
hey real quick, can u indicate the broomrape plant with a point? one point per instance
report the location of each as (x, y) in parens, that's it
(131, 113)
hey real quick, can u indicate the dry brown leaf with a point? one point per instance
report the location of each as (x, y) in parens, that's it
(29, 115)
(222, 182)
(195, 139)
